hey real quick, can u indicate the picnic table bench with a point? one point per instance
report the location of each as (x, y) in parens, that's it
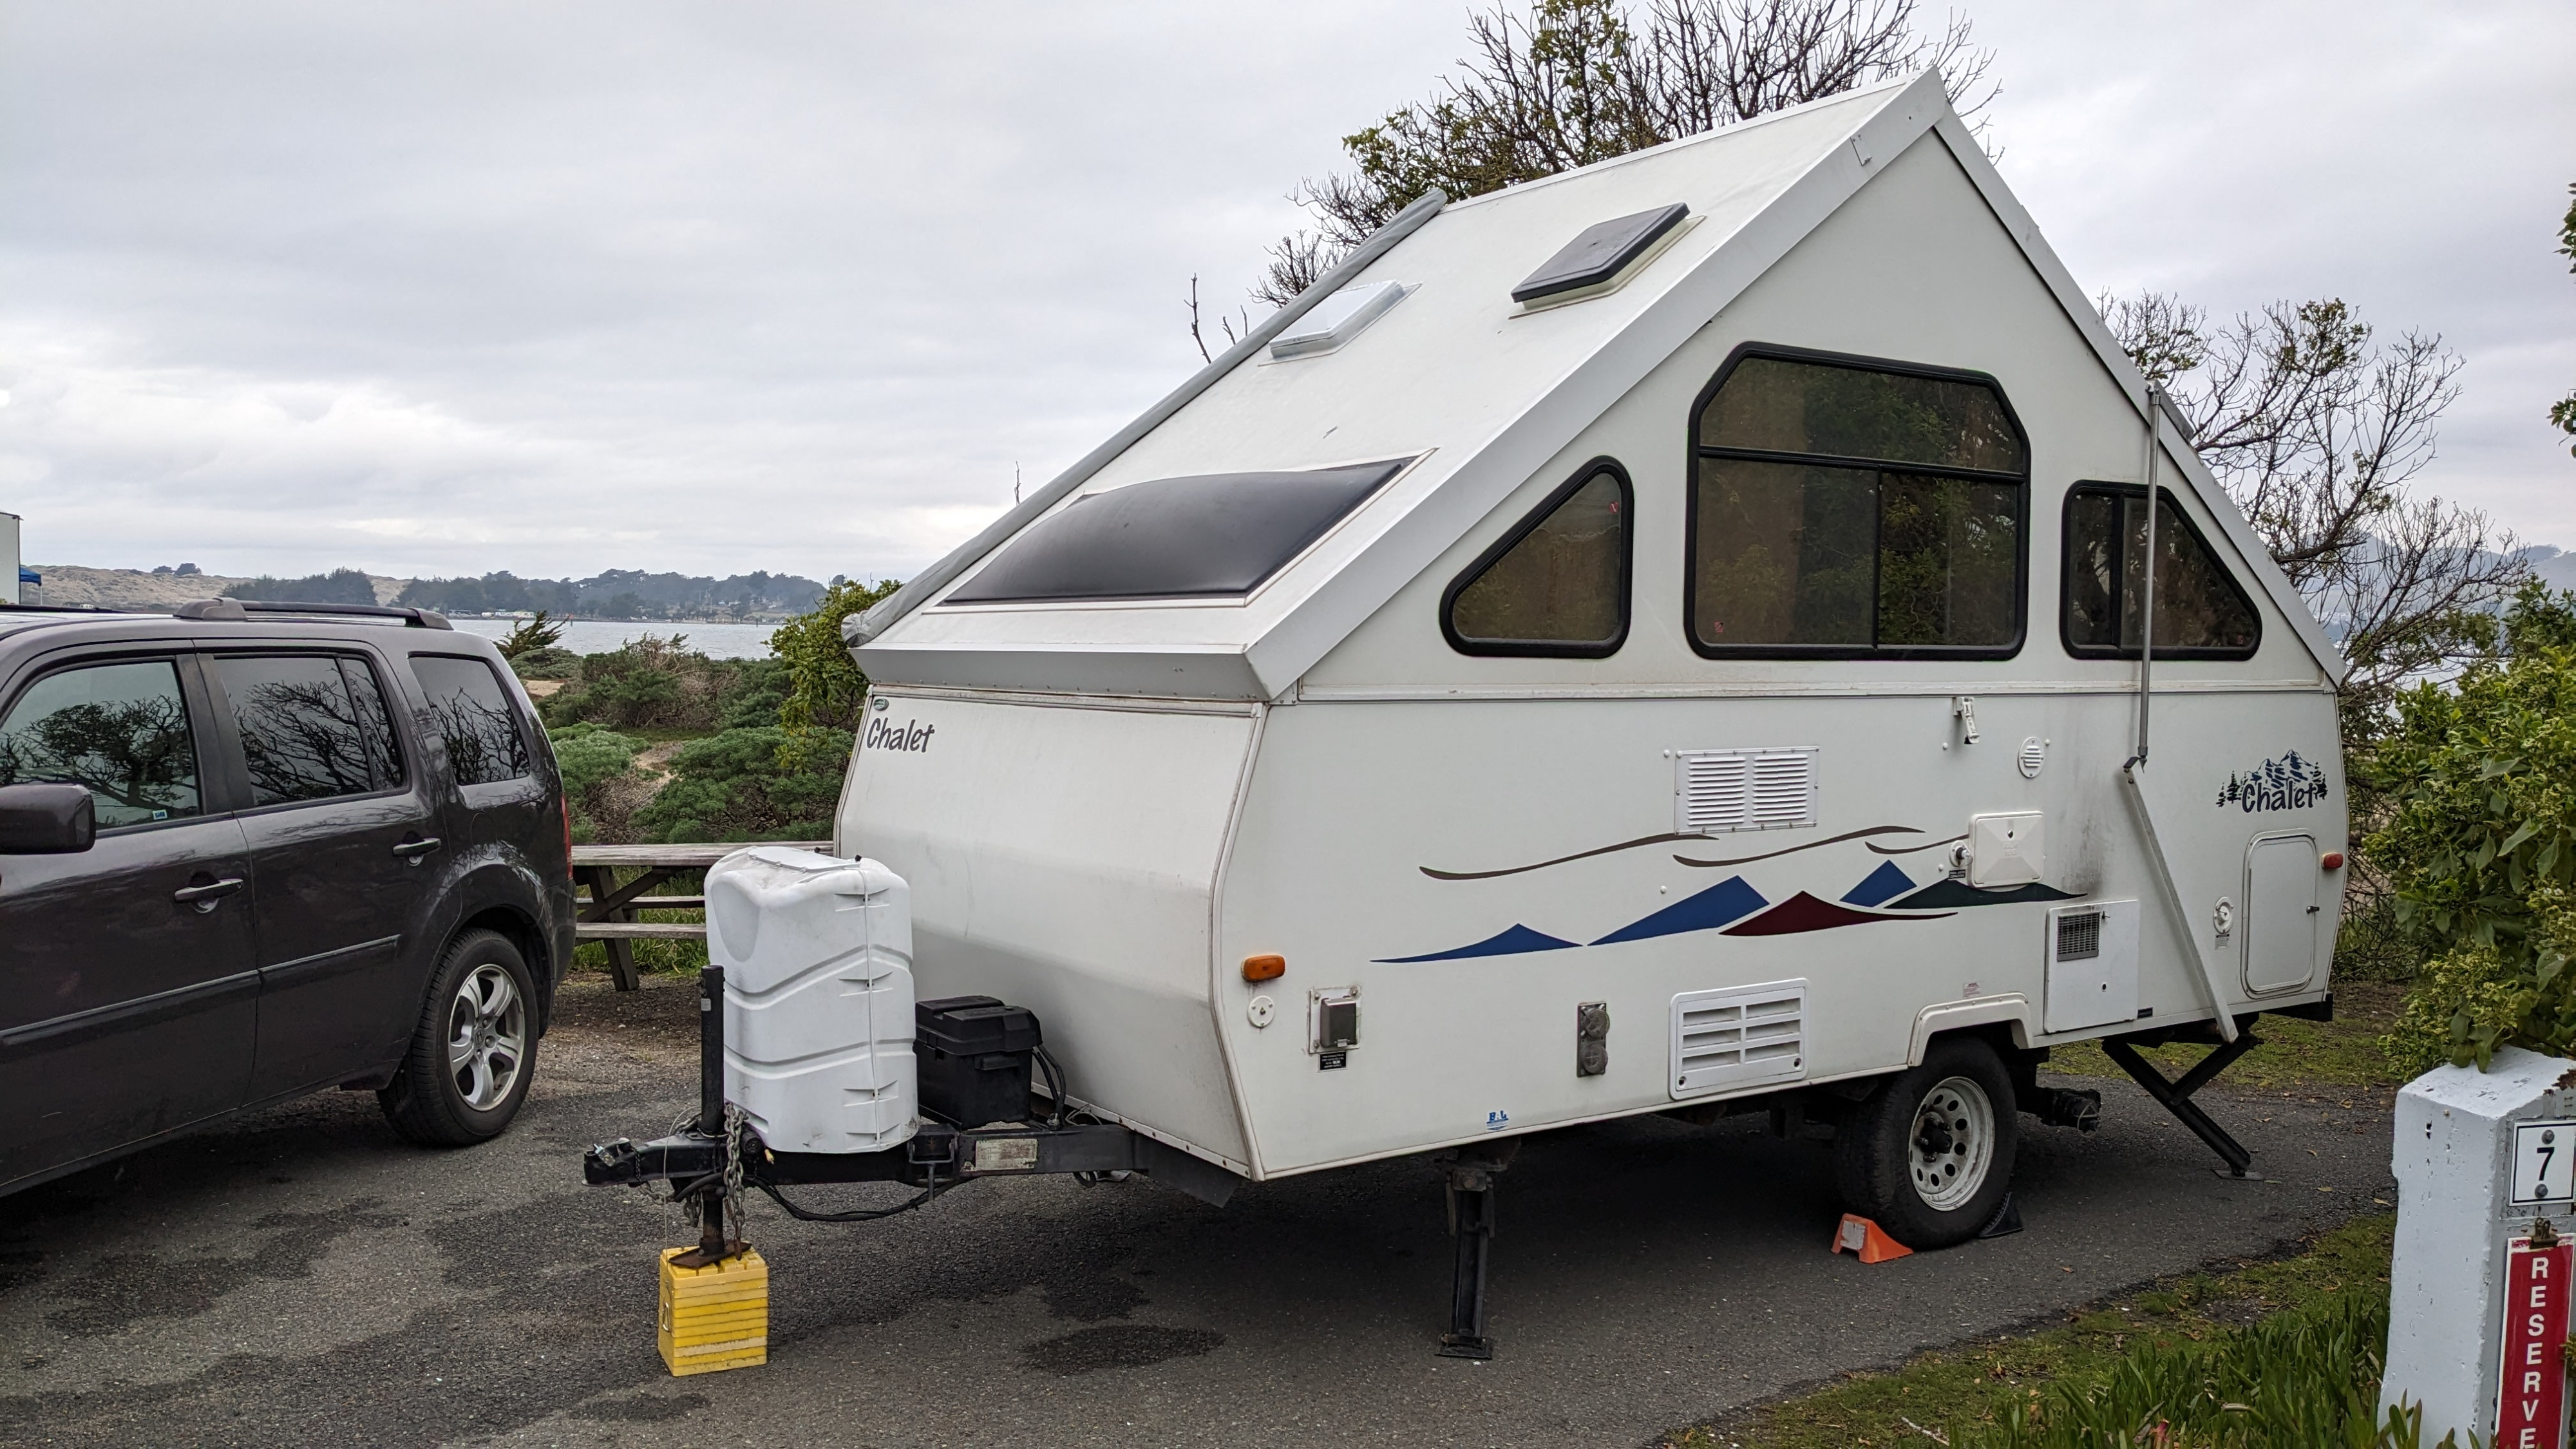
(607, 913)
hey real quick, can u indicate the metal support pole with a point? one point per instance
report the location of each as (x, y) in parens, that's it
(1470, 1185)
(2175, 1095)
(713, 1247)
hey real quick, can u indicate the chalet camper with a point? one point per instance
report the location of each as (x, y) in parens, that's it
(1670, 637)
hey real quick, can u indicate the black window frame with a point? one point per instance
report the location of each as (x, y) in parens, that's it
(1529, 524)
(2120, 578)
(1694, 453)
(215, 796)
(226, 731)
(539, 750)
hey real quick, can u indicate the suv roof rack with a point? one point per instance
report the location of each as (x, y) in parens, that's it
(59, 609)
(237, 611)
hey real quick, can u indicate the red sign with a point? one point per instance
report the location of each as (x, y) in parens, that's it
(2531, 1401)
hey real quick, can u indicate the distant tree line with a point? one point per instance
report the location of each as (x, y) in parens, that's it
(618, 594)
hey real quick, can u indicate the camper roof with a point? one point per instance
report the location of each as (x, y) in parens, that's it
(1616, 265)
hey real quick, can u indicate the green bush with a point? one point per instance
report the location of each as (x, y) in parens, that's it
(589, 758)
(733, 786)
(2479, 843)
(551, 662)
(825, 690)
(656, 684)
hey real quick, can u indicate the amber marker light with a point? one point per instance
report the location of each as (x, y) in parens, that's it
(1264, 968)
(2331, 860)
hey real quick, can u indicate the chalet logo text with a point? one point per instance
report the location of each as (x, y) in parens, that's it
(2292, 782)
(887, 735)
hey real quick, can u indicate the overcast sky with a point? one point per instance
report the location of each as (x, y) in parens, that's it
(453, 287)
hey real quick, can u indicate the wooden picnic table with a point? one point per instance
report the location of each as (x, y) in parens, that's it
(607, 914)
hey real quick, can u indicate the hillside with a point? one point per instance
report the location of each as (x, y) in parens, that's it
(135, 589)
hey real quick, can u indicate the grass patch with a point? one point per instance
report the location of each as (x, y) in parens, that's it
(2295, 1055)
(2304, 1330)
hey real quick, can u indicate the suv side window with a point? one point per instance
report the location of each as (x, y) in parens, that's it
(471, 711)
(121, 729)
(303, 733)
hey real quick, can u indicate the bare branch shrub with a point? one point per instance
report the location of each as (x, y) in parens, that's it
(2318, 432)
(1571, 82)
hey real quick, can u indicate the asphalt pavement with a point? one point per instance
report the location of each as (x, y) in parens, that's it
(302, 1276)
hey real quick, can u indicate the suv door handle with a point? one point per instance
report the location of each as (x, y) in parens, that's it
(206, 897)
(415, 849)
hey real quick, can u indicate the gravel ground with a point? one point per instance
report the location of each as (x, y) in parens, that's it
(303, 1277)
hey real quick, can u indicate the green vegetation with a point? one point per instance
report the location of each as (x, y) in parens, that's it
(2478, 843)
(617, 594)
(2339, 1055)
(533, 635)
(659, 744)
(2271, 1353)
(340, 586)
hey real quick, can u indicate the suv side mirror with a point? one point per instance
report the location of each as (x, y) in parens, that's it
(46, 819)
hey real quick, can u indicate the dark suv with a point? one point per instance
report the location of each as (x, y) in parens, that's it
(255, 851)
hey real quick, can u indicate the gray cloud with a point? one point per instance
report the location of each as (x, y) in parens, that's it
(569, 287)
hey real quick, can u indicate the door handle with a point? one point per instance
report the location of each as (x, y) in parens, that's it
(415, 849)
(206, 897)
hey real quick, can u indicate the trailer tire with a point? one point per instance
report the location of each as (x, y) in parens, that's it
(1929, 1155)
(474, 1052)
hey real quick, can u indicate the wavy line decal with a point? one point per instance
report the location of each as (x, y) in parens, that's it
(1731, 899)
(1810, 845)
(1910, 849)
(1518, 940)
(1669, 838)
(1665, 839)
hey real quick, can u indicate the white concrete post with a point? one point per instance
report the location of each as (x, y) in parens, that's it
(8, 558)
(2479, 1156)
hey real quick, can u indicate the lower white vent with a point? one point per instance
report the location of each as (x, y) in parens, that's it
(1739, 1037)
(1722, 790)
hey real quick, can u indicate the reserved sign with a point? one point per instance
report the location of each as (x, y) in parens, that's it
(2531, 1401)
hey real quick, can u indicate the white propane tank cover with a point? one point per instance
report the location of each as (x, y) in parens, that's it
(2461, 1136)
(2006, 850)
(817, 955)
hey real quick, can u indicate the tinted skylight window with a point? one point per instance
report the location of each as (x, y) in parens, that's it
(1337, 319)
(1597, 255)
(1214, 535)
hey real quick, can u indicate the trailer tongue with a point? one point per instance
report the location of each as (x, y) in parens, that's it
(711, 1161)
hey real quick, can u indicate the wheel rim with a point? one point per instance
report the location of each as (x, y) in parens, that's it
(1953, 1143)
(487, 1028)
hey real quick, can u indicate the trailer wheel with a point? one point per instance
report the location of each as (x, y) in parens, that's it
(1929, 1155)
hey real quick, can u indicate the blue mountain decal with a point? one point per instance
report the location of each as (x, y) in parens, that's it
(1884, 884)
(1724, 903)
(1510, 943)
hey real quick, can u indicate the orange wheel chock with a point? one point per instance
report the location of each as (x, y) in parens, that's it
(1867, 1240)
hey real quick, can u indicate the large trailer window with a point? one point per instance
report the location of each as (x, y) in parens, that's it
(2200, 611)
(1844, 508)
(1557, 584)
(1218, 534)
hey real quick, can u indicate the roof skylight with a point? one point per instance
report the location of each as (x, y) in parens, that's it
(1600, 253)
(1337, 319)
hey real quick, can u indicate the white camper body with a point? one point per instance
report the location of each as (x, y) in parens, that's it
(1769, 867)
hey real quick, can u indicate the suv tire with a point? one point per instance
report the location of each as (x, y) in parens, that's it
(1929, 1155)
(475, 1050)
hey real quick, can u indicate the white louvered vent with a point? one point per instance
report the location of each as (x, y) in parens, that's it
(1715, 791)
(1740, 1037)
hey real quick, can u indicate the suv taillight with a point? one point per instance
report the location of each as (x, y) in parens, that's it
(566, 802)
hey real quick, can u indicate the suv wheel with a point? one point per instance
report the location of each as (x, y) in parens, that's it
(1929, 1156)
(474, 1051)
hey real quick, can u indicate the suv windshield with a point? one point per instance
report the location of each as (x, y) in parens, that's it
(1214, 535)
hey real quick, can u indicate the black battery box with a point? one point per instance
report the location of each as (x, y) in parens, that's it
(974, 1055)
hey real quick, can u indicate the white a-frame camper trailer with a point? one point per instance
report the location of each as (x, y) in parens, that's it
(1666, 637)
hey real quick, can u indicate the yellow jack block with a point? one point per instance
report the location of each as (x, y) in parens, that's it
(715, 1317)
